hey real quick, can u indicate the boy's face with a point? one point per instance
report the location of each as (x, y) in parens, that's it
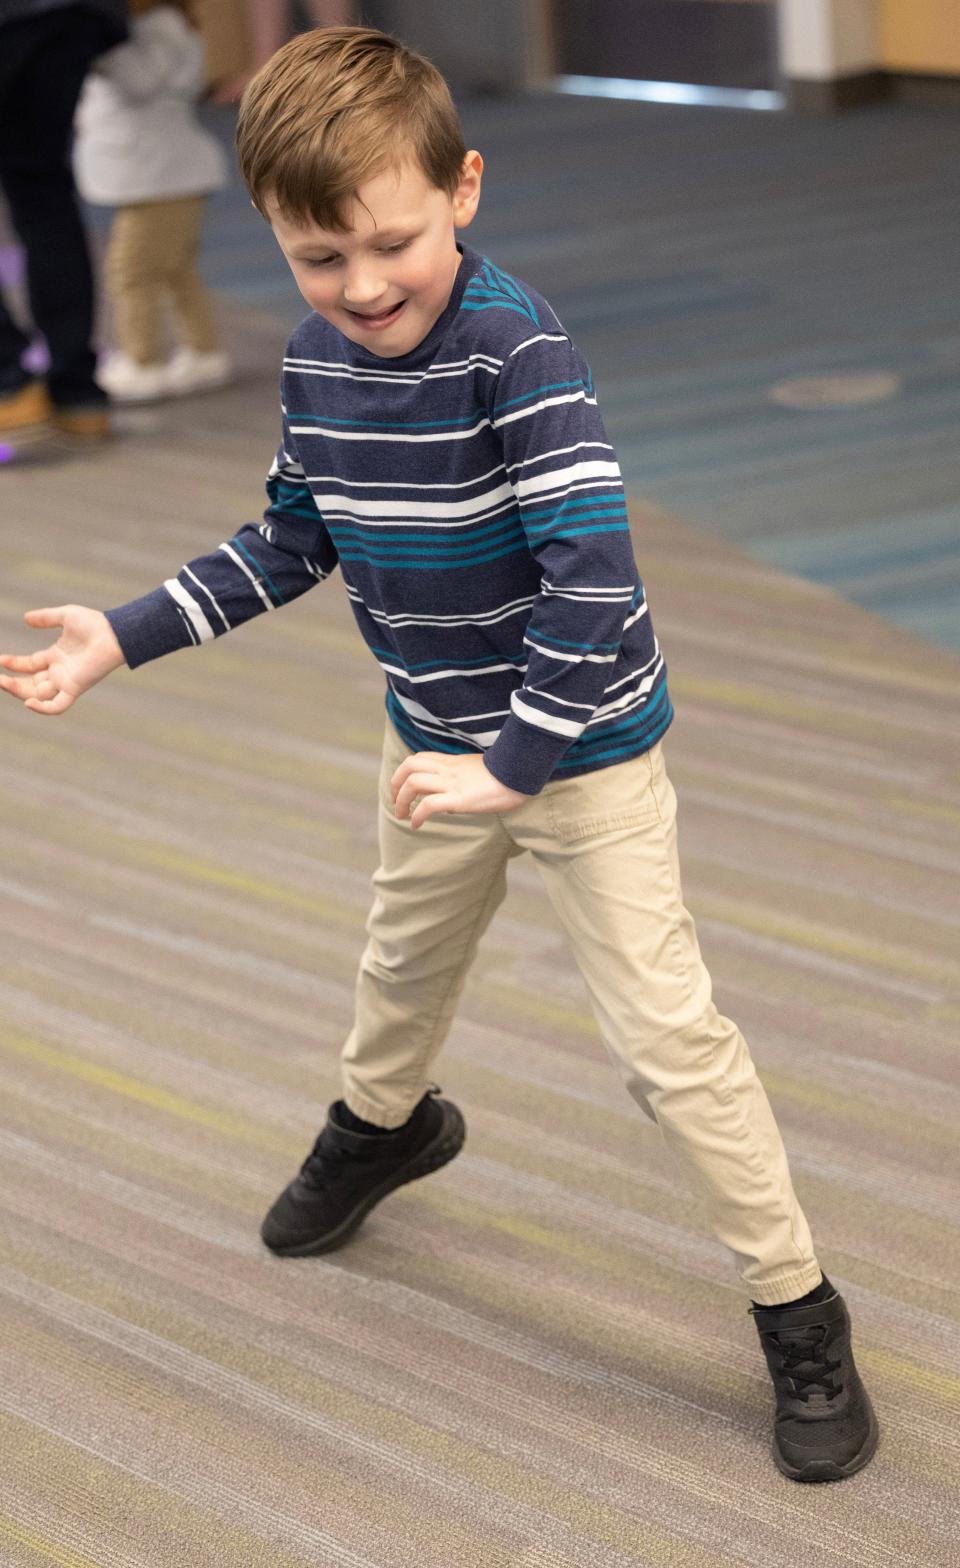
(386, 280)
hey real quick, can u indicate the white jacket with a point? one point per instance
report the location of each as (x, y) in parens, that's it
(137, 138)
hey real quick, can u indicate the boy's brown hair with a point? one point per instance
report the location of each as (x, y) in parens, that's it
(335, 106)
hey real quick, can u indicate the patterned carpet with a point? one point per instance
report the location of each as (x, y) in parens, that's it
(538, 1357)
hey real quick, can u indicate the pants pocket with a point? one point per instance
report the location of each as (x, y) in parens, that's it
(621, 796)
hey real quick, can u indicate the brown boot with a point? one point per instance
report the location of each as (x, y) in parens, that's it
(84, 422)
(26, 411)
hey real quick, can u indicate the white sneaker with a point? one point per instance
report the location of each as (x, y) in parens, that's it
(190, 371)
(128, 382)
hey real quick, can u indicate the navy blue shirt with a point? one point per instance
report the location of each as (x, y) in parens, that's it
(470, 497)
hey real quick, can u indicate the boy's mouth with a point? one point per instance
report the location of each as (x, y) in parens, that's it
(383, 318)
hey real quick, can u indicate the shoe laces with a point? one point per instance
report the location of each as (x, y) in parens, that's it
(323, 1162)
(316, 1166)
(803, 1358)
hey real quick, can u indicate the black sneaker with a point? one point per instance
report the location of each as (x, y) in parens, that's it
(346, 1173)
(825, 1428)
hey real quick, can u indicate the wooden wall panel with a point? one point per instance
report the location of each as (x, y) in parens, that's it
(920, 35)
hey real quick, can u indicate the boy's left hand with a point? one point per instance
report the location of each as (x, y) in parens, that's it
(448, 783)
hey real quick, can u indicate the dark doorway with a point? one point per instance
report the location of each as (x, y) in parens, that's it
(713, 43)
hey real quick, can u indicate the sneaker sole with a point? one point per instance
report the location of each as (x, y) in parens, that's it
(826, 1469)
(444, 1147)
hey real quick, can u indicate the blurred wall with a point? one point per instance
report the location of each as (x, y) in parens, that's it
(837, 53)
(715, 43)
(505, 45)
(490, 45)
(824, 39)
(920, 35)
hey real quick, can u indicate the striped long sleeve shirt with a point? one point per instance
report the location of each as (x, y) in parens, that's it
(470, 497)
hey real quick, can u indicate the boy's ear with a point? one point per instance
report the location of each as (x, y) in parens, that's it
(466, 197)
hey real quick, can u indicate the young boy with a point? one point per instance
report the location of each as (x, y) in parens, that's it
(442, 445)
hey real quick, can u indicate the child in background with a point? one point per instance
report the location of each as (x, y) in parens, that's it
(139, 148)
(270, 23)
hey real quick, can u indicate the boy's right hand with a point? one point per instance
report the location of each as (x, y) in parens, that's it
(85, 651)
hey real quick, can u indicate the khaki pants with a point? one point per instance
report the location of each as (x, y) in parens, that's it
(152, 262)
(605, 845)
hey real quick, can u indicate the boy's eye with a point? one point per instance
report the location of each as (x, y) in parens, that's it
(391, 250)
(320, 261)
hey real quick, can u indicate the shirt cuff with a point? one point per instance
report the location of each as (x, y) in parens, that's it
(523, 757)
(148, 627)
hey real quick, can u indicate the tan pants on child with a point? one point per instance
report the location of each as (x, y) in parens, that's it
(606, 847)
(152, 261)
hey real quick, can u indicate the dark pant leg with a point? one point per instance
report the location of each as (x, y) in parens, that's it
(43, 61)
(13, 342)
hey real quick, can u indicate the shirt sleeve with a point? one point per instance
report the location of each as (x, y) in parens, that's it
(262, 567)
(568, 485)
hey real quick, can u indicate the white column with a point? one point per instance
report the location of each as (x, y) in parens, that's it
(821, 40)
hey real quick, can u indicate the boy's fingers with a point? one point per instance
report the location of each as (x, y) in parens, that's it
(415, 763)
(428, 808)
(28, 663)
(58, 704)
(21, 689)
(399, 775)
(45, 617)
(423, 778)
(415, 783)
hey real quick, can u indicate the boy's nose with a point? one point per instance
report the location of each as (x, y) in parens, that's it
(362, 288)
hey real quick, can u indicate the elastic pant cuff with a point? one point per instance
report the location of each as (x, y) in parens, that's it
(788, 1287)
(370, 1111)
